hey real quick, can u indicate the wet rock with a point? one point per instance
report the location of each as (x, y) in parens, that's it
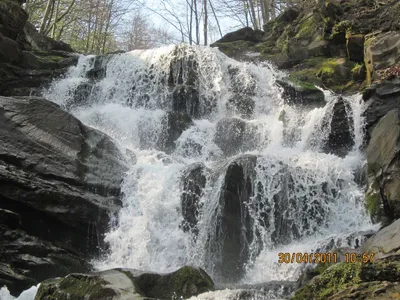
(193, 181)
(244, 34)
(230, 135)
(243, 90)
(234, 232)
(340, 139)
(384, 243)
(27, 260)
(99, 69)
(382, 157)
(62, 179)
(301, 93)
(127, 284)
(174, 124)
(183, 68)
(185, 99)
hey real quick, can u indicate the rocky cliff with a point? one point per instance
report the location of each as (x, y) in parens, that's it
(348, 47)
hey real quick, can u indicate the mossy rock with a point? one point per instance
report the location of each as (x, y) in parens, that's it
(236, 49)
(344, 276)
(296, 91)
(127, 284)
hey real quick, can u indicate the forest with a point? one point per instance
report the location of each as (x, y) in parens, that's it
(102, 26)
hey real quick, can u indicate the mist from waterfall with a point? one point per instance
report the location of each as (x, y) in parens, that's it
(319, 199)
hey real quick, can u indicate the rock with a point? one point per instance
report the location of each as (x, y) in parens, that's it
(382, 155)
(62, 179)
(381, 98)
(10, 52)
(239, 50)
(33, 72)
(41, 42)
(99, 69)
(229, 136)
(381, 51)
(340, 139)
(355, 47)
(234, 232)
(301, 93)
(185, 99)
(193, 181)
(173, 125)
(384, 243)
(127, 284)
(27, 260)
(12, 19)
(244, 34)
(373, 281)
(243, 89)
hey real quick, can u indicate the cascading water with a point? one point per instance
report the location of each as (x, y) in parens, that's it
(225, 174)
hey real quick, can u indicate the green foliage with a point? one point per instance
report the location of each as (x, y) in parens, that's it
(332, 280)
(372, 203)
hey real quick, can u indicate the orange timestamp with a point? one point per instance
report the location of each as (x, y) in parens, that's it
(322, 258)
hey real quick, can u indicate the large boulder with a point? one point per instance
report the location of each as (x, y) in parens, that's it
(384, 243)
(383, 196)
(61, 181)
(118, 284)
(243, 34)
(381, 51)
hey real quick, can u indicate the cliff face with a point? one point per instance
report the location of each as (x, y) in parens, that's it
(28, 60)
(343, 45)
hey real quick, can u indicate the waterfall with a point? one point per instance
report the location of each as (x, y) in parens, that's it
(224, 173)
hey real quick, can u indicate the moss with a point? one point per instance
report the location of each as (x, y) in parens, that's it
(304, 85)
(307, 28)
(340, 30)
(231, 48)
(372, 203)
(334, 279)
(75, 287)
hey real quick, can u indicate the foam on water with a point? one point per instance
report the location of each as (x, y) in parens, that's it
(130, 104)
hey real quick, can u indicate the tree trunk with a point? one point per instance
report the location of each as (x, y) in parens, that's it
(205, 23)
(45, 19)
(253, 14)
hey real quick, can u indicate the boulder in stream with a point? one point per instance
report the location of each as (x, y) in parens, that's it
(118, 284)
(59, 185)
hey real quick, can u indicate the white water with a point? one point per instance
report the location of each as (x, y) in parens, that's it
(147, 233)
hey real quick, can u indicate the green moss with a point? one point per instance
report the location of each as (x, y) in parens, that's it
(231, 48)
(332, 280)
(372, 203)
(75, 287)
(307, 28)
(304, 85)
(340, 30)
